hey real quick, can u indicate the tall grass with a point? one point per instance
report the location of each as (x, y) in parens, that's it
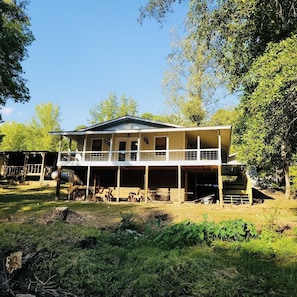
(139, 256)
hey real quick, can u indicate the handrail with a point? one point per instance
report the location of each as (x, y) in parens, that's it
(212, 154)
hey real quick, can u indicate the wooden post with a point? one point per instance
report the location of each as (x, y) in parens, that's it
(58, 184)
(88, 181)
(220, 184)
(179, 183)
(94, 190)
(118, 183)
(42, 168)
(249, 188)
(146, 183)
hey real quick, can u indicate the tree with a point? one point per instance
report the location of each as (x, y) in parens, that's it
(191, 82)
(15, 36)
(113, 108)
(46, 119)
(266, 132)
(14, 138)
(223, 117)
(236, 32)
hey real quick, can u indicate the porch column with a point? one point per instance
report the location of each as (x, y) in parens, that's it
(186, 184)
(198, 148)
(42, 168)
(167, 148)
(58, 184)
(220, 184)
(220, 147)
(88, 181)
(146, 183)
(179, 183)
(110, 149)
(84, 148)
(138, 148)
(60, 148)
(249, 189)
(118, 183)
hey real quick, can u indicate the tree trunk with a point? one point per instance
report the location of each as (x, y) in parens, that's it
(287, 180)
(284, 154)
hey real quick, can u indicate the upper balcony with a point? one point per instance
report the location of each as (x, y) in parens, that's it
(141, 158)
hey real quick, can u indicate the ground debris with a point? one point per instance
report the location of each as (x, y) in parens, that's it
(14, 261)
(61, 214)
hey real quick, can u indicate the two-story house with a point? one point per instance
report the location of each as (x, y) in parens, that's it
(136, 158)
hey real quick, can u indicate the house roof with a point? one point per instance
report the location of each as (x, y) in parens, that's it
(128, 123)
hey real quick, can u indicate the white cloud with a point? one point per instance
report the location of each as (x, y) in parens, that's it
(6, 110)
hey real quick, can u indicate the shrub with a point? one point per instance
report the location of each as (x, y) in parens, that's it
(189, 234)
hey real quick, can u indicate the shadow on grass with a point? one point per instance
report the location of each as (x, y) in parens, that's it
(260, 195)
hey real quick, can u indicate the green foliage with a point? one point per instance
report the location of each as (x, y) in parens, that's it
(15, 36)
(112, 108)
(75, 259)
(14, 136)
(223, 117)
(35, 135)
(189, 234)
(60, 264)
(266, 130)
(234, 32)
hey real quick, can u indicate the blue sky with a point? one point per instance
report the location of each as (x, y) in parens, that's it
(83, 50)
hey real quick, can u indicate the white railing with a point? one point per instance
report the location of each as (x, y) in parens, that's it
(28, 169)
(202, 155)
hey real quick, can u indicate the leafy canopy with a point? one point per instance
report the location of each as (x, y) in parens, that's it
(267, 128)
(34, 135)
(235, 32)
(112, 108)
(15, 36)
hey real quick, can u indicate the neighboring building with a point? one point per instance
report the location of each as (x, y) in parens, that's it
(135, 158)
(27, 165)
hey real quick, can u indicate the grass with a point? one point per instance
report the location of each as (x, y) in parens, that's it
(95, 257)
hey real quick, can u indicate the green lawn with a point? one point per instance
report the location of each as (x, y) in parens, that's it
(93, 254)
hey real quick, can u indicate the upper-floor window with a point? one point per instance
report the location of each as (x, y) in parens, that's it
(160, 144)
(97, 144)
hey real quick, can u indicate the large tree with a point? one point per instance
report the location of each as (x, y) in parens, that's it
(190, 83)
(266, 132)
(46, 119)
(235, 31)
(112, 108)
(15, 135)
(15, 36)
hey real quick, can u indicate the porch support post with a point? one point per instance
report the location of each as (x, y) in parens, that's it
(60, 148)
(167, 149)
(198, 148)
(118, 183)
(220, 147)
(84, 148)
(88, 181)
(146, 183)
(220, 184)
(110, 149)
(138, 147)
(58, 184)
(249, 188)
(186, 184)
(179, 184)
(42, 168)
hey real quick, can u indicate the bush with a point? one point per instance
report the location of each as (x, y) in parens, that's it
(188, 234)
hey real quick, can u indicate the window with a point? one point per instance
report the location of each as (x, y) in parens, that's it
(96, 144)
(160, 145)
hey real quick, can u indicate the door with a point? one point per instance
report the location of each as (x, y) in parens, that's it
(127, 149)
